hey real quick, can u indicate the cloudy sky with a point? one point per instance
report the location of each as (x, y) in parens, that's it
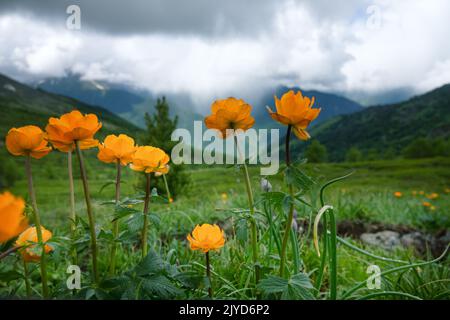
(367, 50)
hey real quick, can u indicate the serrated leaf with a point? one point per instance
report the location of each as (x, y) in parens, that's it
(298, 179)
(151, 264)
(296, 288)
(191, 279)
(160, 287)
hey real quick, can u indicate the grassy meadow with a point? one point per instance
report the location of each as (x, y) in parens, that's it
(216, 194)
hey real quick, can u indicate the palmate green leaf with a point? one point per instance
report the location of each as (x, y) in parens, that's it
(191, 279)
(298, 287)
(136, 221)
(151, 264)
(298, 179)
(160, 286)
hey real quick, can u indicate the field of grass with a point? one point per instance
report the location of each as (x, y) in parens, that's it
(216, 195)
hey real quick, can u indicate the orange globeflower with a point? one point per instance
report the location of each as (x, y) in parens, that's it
(206, 237)
(433, 196)
(29, 239)
(150, 159)
(398, 194)
(27, 140)
(117, 148)
(426, 204)
(63, 132)
(12, 219)
(230, 113)
(295, 110)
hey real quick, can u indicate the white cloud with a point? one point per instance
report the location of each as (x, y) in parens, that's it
(308, 44)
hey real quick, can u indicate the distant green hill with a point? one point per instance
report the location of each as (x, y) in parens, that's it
(386, 127)
(22, 105)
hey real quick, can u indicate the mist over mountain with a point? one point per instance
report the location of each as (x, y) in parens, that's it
(132, 104)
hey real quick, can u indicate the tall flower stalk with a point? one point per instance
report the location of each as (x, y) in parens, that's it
(145, 225)
(206, 238)
(90, 213)
(229, 115)
(295, 111)
(148, 159)
(208, 274)
(37, 222)
(251, 205)
(169, 196)
(26, 278)
(29, 141)
(118, 150)
(290, 217)
(75, 131)
(115, 224)
(72, 216)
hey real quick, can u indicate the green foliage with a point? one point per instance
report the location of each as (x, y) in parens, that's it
(159, 130)
(316, 152)
(9, 171)
(383, 127)
(298, 287)
(426, 148)
(353, 155)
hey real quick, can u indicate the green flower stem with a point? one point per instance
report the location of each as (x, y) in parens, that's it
(37, 222)
(208, 274)
(169, 196)
(90, 213)
(251, 204)
(115, 224)
(324, 253)
(291, 209)
(146, 205)
(333, 256)
(72, 216)
(26, 277)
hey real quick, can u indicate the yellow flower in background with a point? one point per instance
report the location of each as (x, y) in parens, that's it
(150, 159)
(398, 194)
(447, 190)
(426, 204)
(29, 239)
(230, 113)
(206, 237)
(295, 110)
(433, 196)
(414, 192)
(27, 141)
(224, 197)
(116, 148)
(421, 192)
(12, 218)
(433, 208)
(63, 132)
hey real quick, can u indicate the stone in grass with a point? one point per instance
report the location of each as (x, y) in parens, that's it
(387, 239)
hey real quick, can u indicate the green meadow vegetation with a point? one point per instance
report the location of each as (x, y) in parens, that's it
(407, 192)
(367, 195)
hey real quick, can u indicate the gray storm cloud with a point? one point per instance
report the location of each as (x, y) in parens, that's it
(209, 48)
(203, 17)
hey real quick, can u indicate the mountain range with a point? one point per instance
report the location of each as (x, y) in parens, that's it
(22, 105)
(129, 103)
(341, 125)
(388, 127)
